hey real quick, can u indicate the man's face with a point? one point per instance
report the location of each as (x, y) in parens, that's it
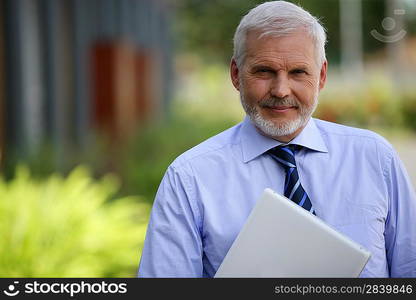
(279, 83)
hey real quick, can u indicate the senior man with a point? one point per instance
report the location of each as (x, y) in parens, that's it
(350, 178)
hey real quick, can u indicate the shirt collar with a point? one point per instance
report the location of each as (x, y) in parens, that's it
(255, 144)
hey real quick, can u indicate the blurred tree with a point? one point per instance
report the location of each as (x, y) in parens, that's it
(206, 28)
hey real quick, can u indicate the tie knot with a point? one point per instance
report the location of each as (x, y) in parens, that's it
(285, 155)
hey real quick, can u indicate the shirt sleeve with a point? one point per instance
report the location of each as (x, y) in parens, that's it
(173, 246)
(400, 230)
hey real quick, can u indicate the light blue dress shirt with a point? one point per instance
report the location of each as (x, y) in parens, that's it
(354, 178)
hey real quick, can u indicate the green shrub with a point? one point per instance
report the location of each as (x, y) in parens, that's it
(69, 227)
(409, 111)
(372, 106)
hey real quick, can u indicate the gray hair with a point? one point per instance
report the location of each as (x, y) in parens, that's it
(278, 18)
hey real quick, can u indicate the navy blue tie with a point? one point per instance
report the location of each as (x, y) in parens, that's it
(293, 188)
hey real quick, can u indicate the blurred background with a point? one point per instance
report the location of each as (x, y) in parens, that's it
(97, 97)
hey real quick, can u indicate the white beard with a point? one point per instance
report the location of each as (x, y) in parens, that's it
(268, 127)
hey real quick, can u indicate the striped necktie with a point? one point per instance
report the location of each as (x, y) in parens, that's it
(293, 189)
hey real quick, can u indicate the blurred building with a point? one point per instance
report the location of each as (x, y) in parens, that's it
(70, 69)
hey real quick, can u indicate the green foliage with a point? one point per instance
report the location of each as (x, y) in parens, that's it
(375, 105)
(409, 111)
(69, 227)
(207, 27)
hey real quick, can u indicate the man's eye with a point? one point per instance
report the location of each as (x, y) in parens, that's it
(263, 70)
(298, 71)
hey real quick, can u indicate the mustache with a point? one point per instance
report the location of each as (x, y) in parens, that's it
(270, 102)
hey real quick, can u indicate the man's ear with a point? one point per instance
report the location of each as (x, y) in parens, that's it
(322, 75)
(234, 73)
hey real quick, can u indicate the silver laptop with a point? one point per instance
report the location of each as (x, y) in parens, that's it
(281, 239)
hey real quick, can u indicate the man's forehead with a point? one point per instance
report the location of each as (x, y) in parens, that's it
(297, 47)
(297, 59)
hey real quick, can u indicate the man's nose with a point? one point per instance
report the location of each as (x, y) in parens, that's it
(280, 86)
